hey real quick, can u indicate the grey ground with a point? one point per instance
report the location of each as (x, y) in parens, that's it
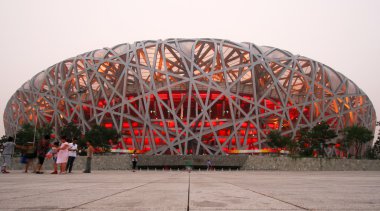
(171, 190)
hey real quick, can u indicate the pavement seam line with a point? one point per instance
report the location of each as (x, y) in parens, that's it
(188, 195)
(272, 197)
(114, 194)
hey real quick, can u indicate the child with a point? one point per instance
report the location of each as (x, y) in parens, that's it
(53, 153)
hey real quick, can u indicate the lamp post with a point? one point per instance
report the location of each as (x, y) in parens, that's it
(14, 141)
(79, 93)
(35, 125)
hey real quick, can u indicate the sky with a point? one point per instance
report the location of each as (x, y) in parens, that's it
(37, 34)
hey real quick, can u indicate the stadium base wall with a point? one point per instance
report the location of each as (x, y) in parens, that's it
(309, 164)
(112, 162)
(123, 162)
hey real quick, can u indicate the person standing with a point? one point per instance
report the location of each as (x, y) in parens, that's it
(90, 152)
(134, 160)
(8, 150)
(63, 155)
(73, 148)
(53, 153)
(42, 149)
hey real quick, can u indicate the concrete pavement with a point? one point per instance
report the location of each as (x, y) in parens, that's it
(179, 190)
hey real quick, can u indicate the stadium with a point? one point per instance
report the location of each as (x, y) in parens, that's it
(190, 96)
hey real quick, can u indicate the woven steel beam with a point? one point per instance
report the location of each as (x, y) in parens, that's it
(190, 96)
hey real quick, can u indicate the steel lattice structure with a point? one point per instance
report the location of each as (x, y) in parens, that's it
(181, 96)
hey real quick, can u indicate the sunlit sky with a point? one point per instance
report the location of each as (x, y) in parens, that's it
(37, 34)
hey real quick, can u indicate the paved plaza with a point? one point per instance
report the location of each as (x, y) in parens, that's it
(198, 190)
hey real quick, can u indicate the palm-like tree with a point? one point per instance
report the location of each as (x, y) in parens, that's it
(357, 136)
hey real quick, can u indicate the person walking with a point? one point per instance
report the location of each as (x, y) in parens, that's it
(63, 155)
(73, 148)
(8, 150)
(134, 160)
(209, 165)
(30, 155)
(90, 152)
(42, 149)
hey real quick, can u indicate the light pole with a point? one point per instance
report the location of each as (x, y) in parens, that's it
(35, 105)
(79, 93)
(14, 141)
(35, 125)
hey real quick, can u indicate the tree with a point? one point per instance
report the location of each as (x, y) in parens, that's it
(3, 139)
(376, 149)
(71, 131)
(316, 138)
(357, 136)
(100, 136)
(276, 140)
(305, 143)
(370, 153)
(28, 133)
(43, 131)
(25, 134)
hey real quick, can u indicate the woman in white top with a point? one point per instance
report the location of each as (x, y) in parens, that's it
(63, 155)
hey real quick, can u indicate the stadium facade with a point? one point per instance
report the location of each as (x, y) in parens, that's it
(190, 96)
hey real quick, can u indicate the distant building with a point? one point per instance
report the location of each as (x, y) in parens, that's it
(190, 96)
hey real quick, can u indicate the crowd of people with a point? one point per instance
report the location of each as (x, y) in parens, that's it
(62, 152)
